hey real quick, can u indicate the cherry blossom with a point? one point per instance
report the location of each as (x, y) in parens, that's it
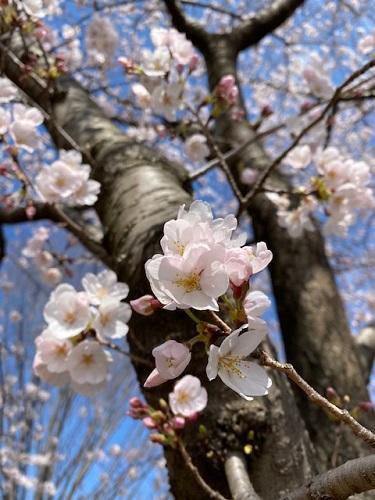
(67, 312)
(166, 99)
(88, 363)
(145, 305)
(101, 40)
(67, 180)
(8, 91)
(53, 352)
(103, 286)
(299, 157)
(188, 397)
(227, 90)
(196, 147)
(4, 121)
(171, 359)
(23, 128)
(111, 319)
(195, 279)
(254, 304)
(228, 361)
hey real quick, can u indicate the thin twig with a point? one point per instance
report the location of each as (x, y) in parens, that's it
(334, 411)
(202, 483)
(335, 98)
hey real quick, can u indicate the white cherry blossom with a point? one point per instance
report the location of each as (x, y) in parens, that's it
(166, 99)
(88, 363)
(23, 128)
(229, 362)
(111, 319)
(67, 312)
(300, 157)
(171, 359)
(188, 397)
(8, 90)
(196, 147)
(103, 286)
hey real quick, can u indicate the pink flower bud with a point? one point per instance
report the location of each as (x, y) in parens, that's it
(145, 305)
(331, 393)
(30, 212)
(149, 423)
(193, 63)
(227, 90)
(366, 406)
(154, 379)
(192, 417)
(178, 422)
(135, 402)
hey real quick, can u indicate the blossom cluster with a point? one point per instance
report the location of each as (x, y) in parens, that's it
(79, 325)
(43, 259)
(102, 40)
(186, 401)
(22, 123)
(205, 267)
(67, 180)
(341, 186)
(201, 259)
(161, 85)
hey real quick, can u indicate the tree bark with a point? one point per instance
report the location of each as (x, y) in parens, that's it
(311, 313)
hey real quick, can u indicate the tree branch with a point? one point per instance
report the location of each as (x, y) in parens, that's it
(205, 487)
(334, 411)
(257, 27)
(355, 476)
(195, 33)
(56, 214)
(238, 478)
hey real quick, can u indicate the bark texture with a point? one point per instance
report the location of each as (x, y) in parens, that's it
(141, 189)
(311, 313)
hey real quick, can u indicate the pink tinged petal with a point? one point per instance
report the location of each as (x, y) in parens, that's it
(254, 380)
(248, 342)
(213, 363)
(214, 280)
(260, 258)
(154, 379)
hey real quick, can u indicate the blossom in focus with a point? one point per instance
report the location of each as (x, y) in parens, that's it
(195, 279)
(229, 363)
(23, 128)
(255, 304)
(145, 305)
(188, 397)
(196, 147)
(171, 359)
(103, 286)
